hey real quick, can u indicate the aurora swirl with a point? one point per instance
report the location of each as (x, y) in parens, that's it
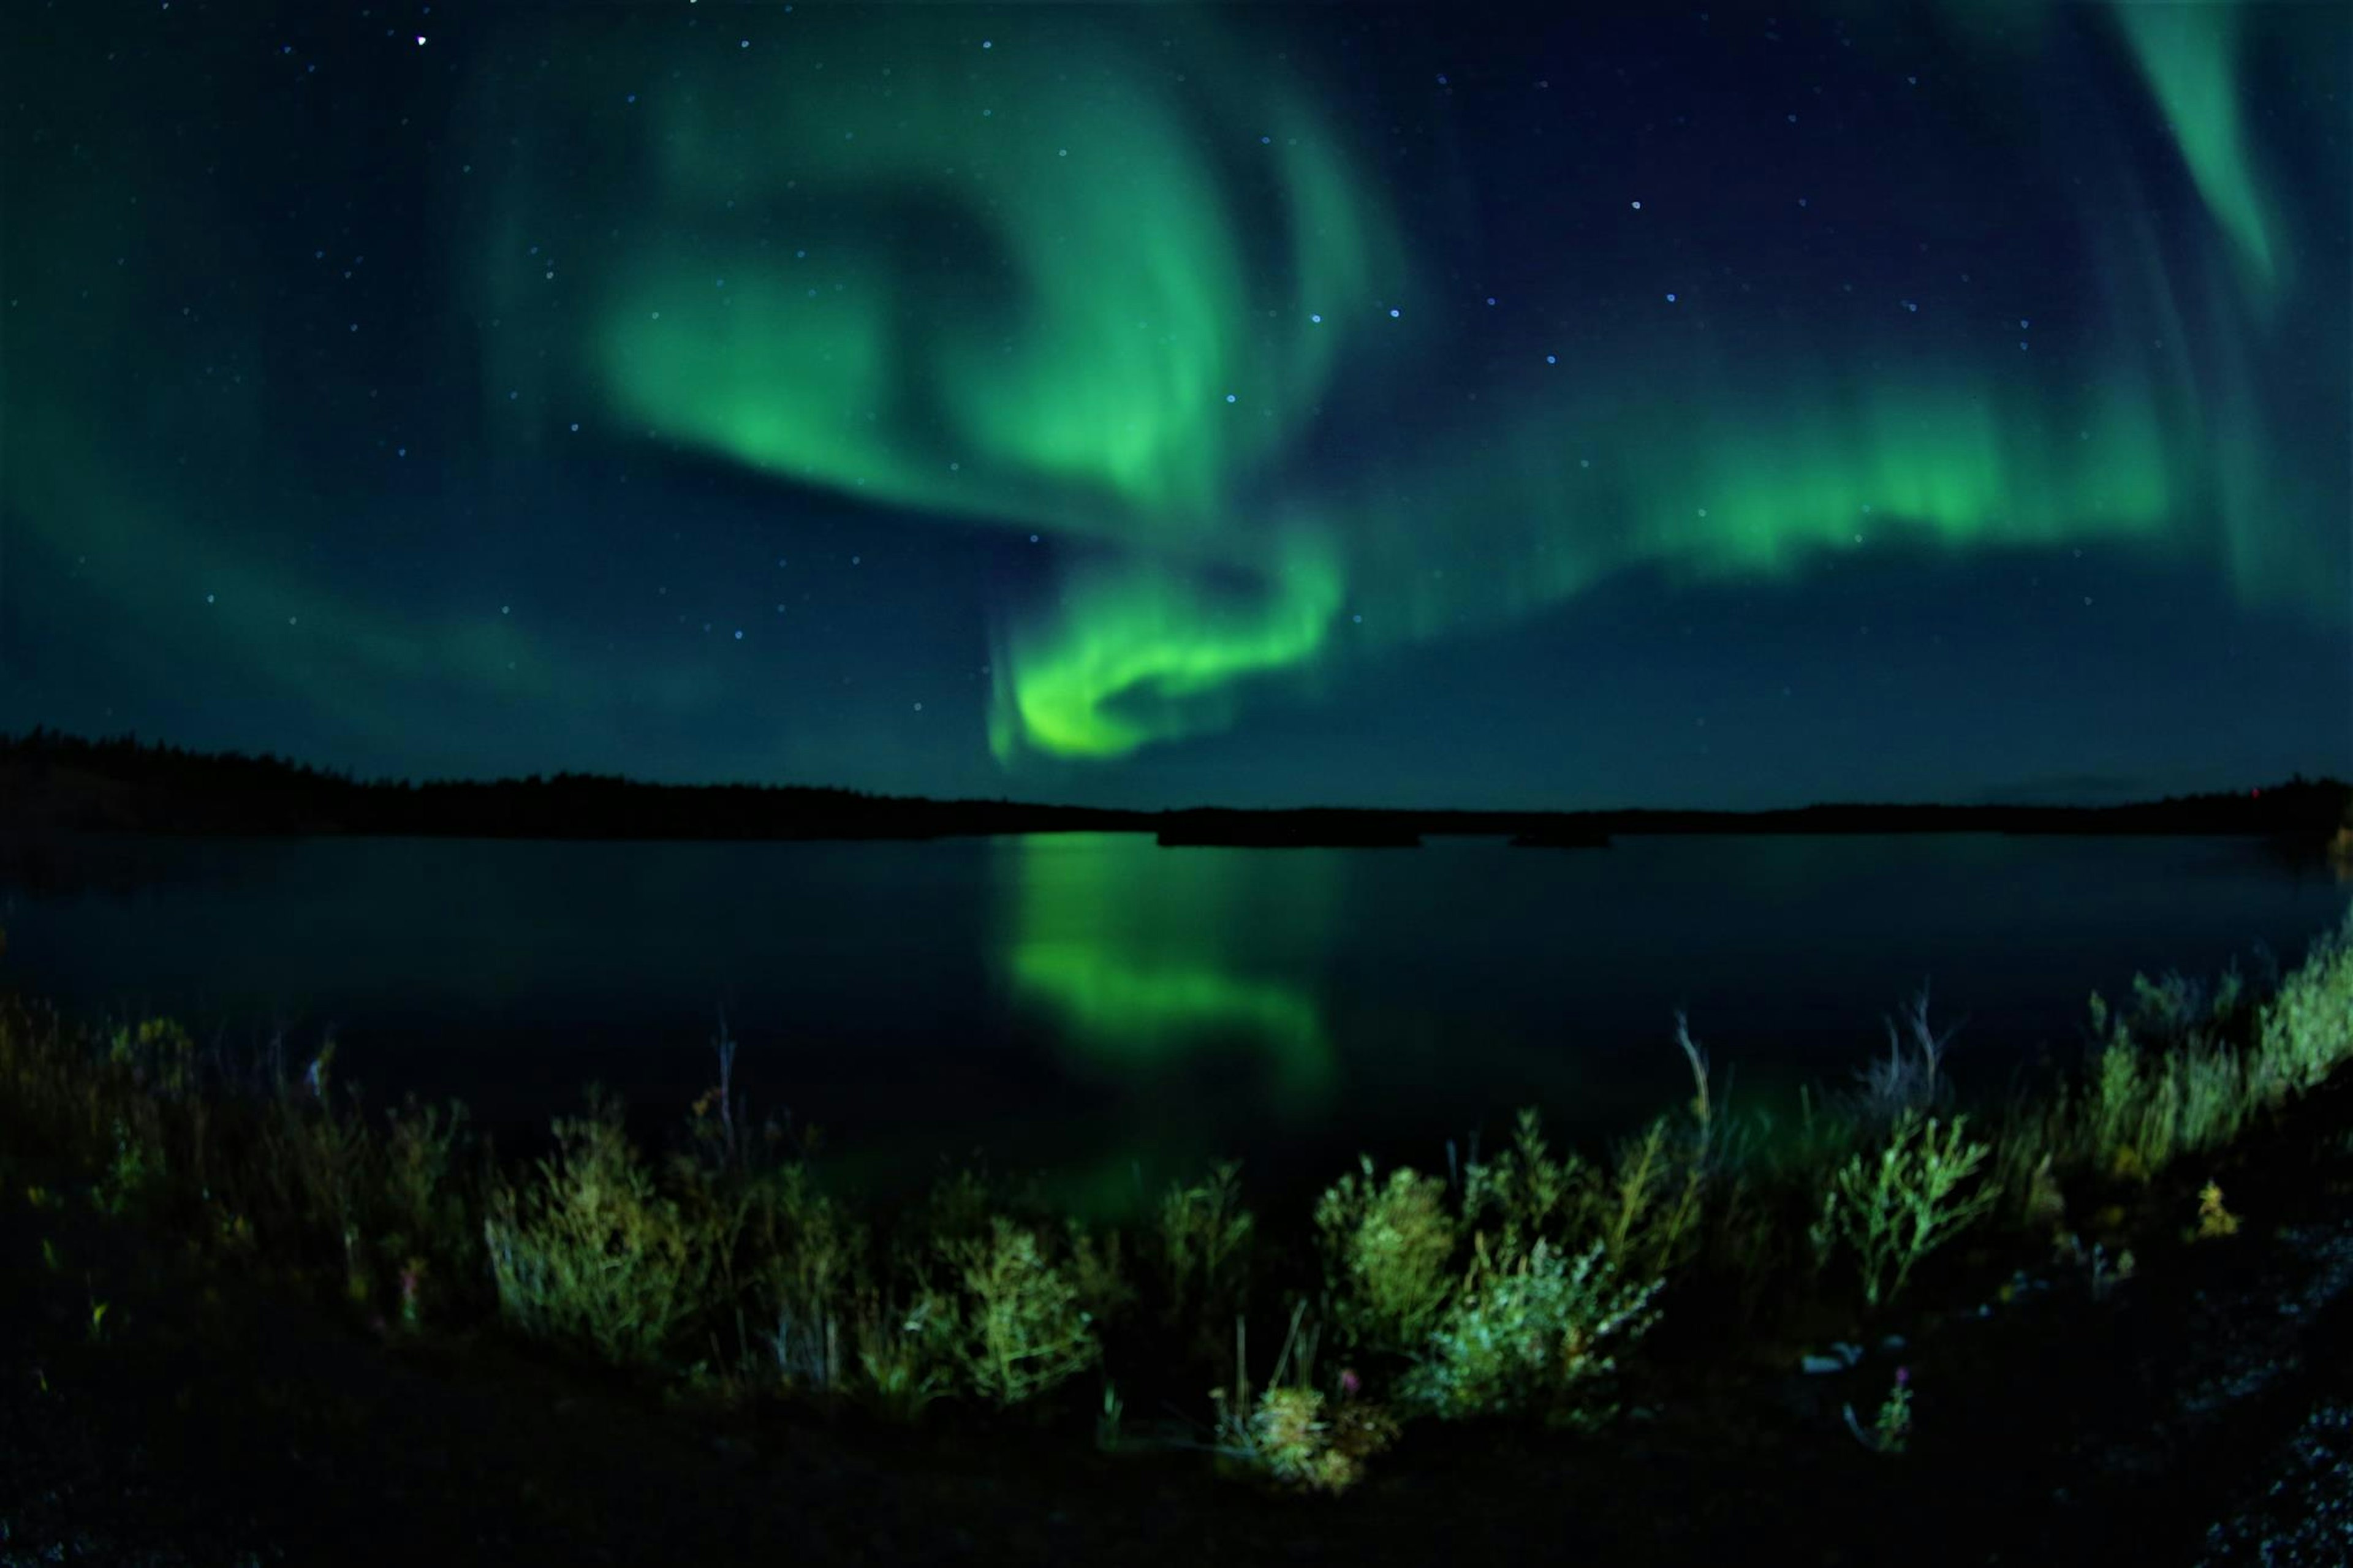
(1294, 353)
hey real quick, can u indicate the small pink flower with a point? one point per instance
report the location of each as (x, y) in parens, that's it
(1349, 1382)
(1902, 1375)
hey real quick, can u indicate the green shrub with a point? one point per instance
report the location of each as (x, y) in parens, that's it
(2146, 1109)
(1202, 1253)
(421, 1193)
(809, 1266)
(1530, 1192)
(2306, 1031)
(1024, 1327)
(1294, 1434)
(1387, 1248)
(1533, 1336)
(1302, 1439)
(1654, 1200)
(591, 1252)
(1897, 1209)
(133, 1175)
(907, 1351)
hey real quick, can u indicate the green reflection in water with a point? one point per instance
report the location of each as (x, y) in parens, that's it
(1149, 959)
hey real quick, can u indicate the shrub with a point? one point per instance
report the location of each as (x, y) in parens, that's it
(1303, 1440)
(133, 1175)
(809, 1266)
(1911, 1078)
(2306, 1032)
(1530, 1191)
(1652, 1208)
(1024, 1328)
(1897, 1209)
(1202, 1253)
(907, 1351)
(1386, 1247)
(1293, 1433)
(591, 1252)
(2147, 1107)
(1530, 1337)
(421, 1193)
(2213, 1220)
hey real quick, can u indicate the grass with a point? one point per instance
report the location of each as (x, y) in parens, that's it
(728, 1265)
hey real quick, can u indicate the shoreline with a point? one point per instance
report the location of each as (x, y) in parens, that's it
(2120, 1273)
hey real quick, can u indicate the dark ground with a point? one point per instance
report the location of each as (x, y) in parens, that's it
(2201, 1413)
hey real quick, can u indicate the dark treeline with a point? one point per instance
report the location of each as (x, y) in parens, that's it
(50, 782)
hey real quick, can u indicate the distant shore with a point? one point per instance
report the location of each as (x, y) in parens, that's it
(51, 784)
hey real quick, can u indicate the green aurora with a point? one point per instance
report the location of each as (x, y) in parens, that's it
(1059, 285)
(1143, 284)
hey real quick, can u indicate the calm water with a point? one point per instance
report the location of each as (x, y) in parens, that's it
(1107, 1009)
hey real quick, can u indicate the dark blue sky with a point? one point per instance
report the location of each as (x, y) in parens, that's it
(1142, 406)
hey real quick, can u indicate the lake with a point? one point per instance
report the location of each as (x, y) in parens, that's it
(1116, 1013)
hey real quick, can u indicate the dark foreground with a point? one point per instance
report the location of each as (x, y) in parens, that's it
(2202, 1413)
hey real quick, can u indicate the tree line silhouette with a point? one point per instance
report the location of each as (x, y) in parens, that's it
(52, 782)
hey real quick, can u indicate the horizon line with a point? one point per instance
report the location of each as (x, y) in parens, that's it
(41, 734)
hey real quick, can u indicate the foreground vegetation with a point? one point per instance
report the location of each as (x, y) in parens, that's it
(726, 1267)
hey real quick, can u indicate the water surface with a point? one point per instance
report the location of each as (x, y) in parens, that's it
(1117, 1012)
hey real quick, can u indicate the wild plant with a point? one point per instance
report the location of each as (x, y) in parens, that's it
(2214, 1221)
(2305, 1032)
(809, 1267)
(591, 1252)
(2144, 1109)
(1387, 1247)
(1890, 1430)
(1201, 1252)
(421, 1196)
(1529, 1191)
(1654, 1199)
(1025, 1329)
(133, 1176)
(907, 1351)
(1293, 1433)
(1911, 1078)
(1652, 1205)
(1920, 1192)
(1534, 1336)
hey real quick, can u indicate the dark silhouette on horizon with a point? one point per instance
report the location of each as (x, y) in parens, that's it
(51, 784)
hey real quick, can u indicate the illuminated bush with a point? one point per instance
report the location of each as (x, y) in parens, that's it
(2308, 1029)
(809, 1264)
(1023, 1329)
(1302, 1439)
(1202, 1240)
(1386, 1250)
(1532, 1337)
(1919, 1193)
(590, 1252)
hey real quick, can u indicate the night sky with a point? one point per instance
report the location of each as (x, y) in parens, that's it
(1413, 406)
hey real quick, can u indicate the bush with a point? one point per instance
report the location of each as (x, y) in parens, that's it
(1530, 1337)
(809, 1264)
(422, 1192)
(2306, 1032)
(907, 1351)
(1897, 1209)
(1302, 1439)
(1532, 1193)
(1023, 1327)
(591, 1252)
(1386, 1247)
(1202, 1253)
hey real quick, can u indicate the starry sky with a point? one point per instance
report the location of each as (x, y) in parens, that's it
(1149, 405)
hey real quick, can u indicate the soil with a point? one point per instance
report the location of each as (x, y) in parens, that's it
(2200, 1412)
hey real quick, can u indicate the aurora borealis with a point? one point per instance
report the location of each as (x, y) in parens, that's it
(1151, 405)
